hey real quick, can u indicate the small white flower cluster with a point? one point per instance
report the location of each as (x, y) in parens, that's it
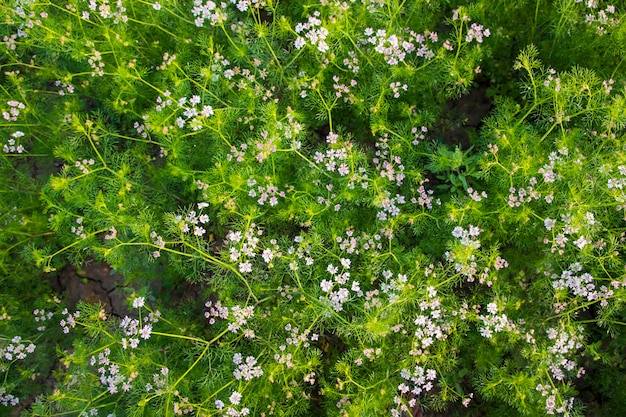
(216, 311)
(112, 234)
(551, 394)
(16, 349)
(264, 193)
(359, 177)
(208, 10)
(388, 166)
(474, 195)
(240, 317)
(96, 64)
(602, 19)
(234, 399)
(183, 407)
(583, 285)
(194, 112)
(109, 371)
(8, 399)
(244, 5)
(217, 67)
(269, 253)
(565, 344)
(571, 225)
(371, 354)
(336, 298)
(477, 32)
(11, 41)
(237, 154)
(287, 292)
(296, 339)
(418, 381)
(78, 229)
(167, 61)
(163, 102)
(396, 87)
(303, 251)
(314, 32)
(468, 237)
(92, 413)
(343, 90)
(69, 322)
(495, 323)
(134, 329)
(14, 110)
(243, 247)
(430, 325)
(352, 62)
(332, 158)
(84, 165)
(393, 287)
(237, 316)
(618, 187)
(547, 170)
(552, 80)
(425, 198)
(523, 195)
(11, 115)
(41, 316)
(193, 222)
(419, 134)
(12, 146)
(104, 9)
(608, 85)
(157, 241)
(246, 370)
(395, 48)
(142, 129)
(64, 88)
(267, 146)
(389, 206)
(159, 380)
(500, 263)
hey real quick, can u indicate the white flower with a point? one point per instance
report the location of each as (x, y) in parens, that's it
(139, 302)
(145, 331)
(207, 111)
(581, 242)
(235, 398)
(299, 43)
(268, 255)
(245, 267)
(326, 285)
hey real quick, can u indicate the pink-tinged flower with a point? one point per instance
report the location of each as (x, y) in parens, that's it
(139, 302)
(245, 267)
(235, 398)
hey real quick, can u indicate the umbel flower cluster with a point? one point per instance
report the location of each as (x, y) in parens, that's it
(324, 207)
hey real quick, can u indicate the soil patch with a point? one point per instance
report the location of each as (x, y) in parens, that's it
(93, 282)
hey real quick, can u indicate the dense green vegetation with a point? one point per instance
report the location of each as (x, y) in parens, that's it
(301, 208)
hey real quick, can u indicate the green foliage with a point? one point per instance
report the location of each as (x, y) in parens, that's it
(302, 214)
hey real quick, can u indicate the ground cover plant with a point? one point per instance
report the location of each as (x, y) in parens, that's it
(312, 208)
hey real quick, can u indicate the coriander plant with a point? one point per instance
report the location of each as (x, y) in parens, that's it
(301, 219)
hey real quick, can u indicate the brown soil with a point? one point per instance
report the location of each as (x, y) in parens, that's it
(94, 282)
